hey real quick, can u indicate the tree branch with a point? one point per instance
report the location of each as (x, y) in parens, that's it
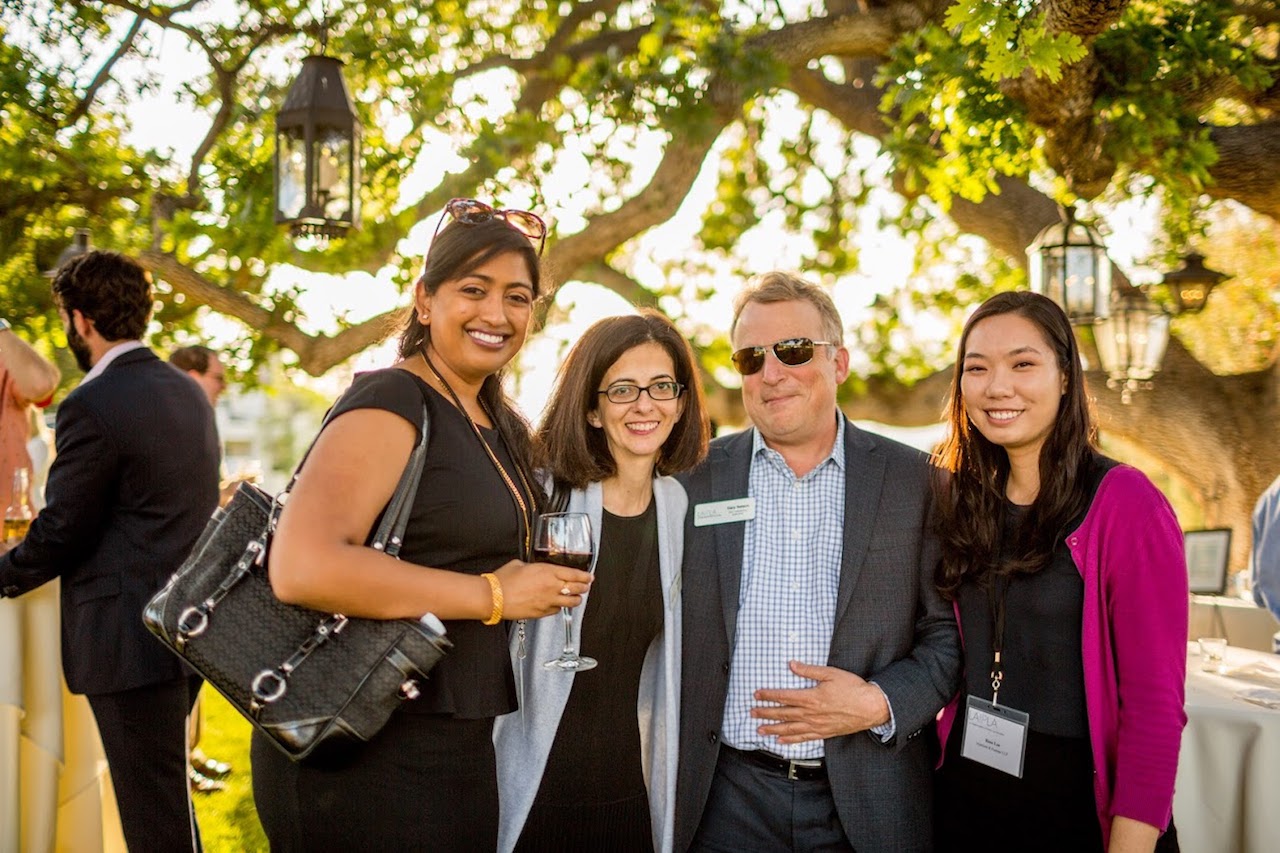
(104, 73)
(1259, 13)
(1245, 170)
(656, 203)
(316, 353)
(620, 283)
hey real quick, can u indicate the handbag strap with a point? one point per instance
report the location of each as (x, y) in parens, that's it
(389, 535)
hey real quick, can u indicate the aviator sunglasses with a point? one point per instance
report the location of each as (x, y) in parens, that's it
(792, 352)
(468, 211)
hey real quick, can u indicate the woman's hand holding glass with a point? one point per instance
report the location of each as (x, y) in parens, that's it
(534, 590)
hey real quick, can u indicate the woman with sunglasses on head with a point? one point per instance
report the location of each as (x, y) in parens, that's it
(1069, 582)
(427, 780)
(588, 763)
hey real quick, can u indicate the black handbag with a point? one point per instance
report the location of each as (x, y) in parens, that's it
(303, 678)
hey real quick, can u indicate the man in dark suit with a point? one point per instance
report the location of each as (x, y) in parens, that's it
(133, 484)
(816, 648)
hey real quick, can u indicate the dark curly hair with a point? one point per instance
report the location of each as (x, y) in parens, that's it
(969, 486)
(194, 357)
(112, 290)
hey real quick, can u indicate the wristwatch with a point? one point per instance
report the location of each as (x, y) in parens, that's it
(4, 325)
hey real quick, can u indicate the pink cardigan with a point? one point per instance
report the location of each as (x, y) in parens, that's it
(1130, 553)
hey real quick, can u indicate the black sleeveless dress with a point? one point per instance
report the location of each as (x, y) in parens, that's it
(427, 781)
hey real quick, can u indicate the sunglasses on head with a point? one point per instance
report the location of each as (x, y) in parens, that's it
(792, 352)
(468, 211)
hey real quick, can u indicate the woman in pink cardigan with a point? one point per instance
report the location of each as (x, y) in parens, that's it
(1070, 587)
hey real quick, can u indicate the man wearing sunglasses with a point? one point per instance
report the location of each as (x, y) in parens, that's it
(816, 647)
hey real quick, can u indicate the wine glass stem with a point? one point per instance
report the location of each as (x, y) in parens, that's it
(568, 631)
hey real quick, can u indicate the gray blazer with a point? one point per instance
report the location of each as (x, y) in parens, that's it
(523, 738)
(891, 626)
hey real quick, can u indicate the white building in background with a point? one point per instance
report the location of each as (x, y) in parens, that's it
(264, 433)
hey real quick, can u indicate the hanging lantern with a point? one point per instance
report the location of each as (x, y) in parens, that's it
(1069, 264)
(318, 153)
(1190, 286)
(79, 245)
(1132, 342)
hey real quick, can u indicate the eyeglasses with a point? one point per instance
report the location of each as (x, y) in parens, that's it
(658, 391)
(468, 211)
(792, 352)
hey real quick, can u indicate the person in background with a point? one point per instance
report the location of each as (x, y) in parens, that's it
(27, 383)
(130, 490)
(205, 367)
(27, 379)
(1068, 575)
(40, 452)
(207, 370)
(816, 649)
(1264, 557)
(427, 780)
(626, 413)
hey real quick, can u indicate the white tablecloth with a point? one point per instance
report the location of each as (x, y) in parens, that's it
(1243, 623)
(1227, 798)
(55, 793)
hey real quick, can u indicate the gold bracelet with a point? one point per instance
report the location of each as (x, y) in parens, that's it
(495, 587)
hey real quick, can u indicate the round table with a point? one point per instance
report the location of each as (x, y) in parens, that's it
(1227, 796)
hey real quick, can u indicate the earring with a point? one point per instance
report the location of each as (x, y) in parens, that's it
(423, 318)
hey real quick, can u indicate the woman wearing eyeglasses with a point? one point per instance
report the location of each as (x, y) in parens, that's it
(1068, 578)
(427, 780)
(588, 763)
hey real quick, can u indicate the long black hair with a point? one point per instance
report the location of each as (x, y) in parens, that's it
(972, 473)
(458, 249)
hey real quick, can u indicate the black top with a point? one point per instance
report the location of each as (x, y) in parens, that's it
(596, 754)
(1043, 663)
(132, 486)
(464, 519)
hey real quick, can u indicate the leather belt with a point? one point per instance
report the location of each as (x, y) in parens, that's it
(799, 770)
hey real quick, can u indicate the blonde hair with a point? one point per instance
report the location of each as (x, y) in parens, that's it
(777, 286)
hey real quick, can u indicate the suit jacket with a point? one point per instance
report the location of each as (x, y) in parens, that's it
(891, 626)
(134, 482)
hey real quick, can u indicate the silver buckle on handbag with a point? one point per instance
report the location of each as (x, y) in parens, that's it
(268, 686)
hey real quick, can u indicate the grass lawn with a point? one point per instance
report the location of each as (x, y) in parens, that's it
(228, 821)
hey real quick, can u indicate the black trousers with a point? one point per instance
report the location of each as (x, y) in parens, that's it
(752, 808)
(144, 736)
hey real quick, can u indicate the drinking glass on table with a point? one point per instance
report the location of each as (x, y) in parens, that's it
(1213, 650)
(564, 538)
(18, 514)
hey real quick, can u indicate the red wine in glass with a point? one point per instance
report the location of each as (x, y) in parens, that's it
(573, 559)
(564, 539)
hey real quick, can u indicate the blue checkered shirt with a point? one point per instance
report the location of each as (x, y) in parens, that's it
(791, 555)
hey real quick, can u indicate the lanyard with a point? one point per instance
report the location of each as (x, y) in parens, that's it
(523, 512)
(997, 631)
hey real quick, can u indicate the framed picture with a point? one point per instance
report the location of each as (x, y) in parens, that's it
(1207, 554)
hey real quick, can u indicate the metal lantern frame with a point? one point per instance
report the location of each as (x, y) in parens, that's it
(1069, 264)
(1190, 286)
(80, 243)
(317, 159)
(1132, 342)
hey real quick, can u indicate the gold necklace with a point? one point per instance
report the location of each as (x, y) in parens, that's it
(525, 515)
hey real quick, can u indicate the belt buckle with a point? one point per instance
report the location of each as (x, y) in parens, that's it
(793, 765)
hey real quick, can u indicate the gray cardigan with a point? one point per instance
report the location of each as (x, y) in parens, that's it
(523, 739)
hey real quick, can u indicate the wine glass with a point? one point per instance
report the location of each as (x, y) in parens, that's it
(564, 538)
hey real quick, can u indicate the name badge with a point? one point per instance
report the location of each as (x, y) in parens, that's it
(995, 736)
(724, 512)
